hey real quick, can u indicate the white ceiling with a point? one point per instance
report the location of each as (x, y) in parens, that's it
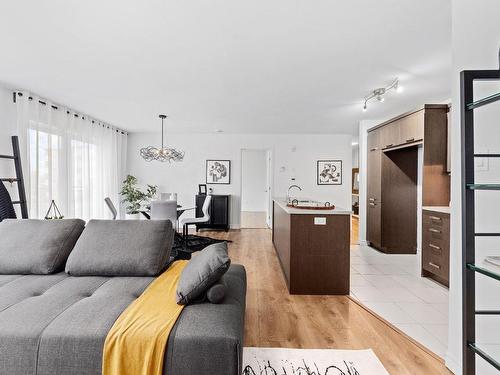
(247, 66)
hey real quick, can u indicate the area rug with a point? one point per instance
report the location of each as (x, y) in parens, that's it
(193, 244)
(278, 361)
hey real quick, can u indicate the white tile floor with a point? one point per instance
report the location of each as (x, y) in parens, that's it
(391, 286)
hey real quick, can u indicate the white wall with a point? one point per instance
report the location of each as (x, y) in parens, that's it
(253, 180)
(294, 156)
(8, 128)
(475, 39)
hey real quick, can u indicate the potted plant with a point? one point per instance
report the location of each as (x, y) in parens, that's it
(133, 197)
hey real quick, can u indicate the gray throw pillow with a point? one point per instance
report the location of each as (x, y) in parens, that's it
(202, 271)
(37, 246)
(122, 248)
(217, 292)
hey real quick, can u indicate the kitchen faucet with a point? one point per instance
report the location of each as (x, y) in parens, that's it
(288, 192)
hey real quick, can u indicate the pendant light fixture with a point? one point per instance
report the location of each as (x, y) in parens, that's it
(162, 154)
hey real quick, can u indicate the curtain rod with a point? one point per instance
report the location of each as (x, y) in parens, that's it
(68, 112)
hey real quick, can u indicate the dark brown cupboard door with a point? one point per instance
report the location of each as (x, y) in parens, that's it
(373, 167)
(373, 224)
(390, 135)
(373, 233)
(411, 128)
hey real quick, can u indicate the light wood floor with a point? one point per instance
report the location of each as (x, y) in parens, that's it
(354, 231)
(274, 318)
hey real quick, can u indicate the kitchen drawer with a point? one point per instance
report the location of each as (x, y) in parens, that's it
(437, 236)
(438, 267)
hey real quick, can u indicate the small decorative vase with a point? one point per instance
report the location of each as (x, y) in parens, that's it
(133, 216)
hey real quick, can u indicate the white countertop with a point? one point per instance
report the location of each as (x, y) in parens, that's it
(442, 209)
(304, 211)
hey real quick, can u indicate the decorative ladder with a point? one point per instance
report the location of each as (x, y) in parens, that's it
(469, 234)
(16, 157)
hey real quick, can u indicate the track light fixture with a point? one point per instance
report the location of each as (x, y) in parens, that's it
(380, 92)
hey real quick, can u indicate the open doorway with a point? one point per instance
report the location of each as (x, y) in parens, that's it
(255, 188)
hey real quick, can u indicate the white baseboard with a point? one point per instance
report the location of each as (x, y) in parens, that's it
(363, 243)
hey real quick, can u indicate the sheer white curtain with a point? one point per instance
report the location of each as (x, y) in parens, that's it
(70, 158)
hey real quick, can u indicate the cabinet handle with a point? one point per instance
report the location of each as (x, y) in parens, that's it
(372, 204)
(387, 146)
(374, 149)
(435, 218)
(410, 140)
(372, 199)
(434, 265)
(434, 246)
(434, 230)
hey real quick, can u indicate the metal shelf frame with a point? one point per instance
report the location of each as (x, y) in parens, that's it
(16, 157)
(469, 234)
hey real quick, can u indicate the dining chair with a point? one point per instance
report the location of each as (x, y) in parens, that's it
(164, 210)
(186, 222)
(111, 207)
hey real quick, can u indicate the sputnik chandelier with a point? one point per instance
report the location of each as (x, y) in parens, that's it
(162, 154)
(381, 91)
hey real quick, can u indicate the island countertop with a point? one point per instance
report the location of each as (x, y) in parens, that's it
(304, 211)
(442, 209)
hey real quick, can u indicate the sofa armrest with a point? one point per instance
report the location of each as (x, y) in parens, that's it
(208, 338)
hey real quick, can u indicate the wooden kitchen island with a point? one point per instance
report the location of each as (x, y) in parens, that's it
(313, 248)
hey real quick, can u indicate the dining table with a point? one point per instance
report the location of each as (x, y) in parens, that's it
(146, 211)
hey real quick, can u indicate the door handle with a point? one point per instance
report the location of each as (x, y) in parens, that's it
(434, 265)
(434, 230)
(410, 140)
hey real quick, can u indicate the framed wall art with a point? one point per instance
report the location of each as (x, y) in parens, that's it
(218, 172)
(329, 172)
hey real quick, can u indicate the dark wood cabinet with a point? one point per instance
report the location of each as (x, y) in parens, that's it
(436, 246)
(373, 224)
(390, 135)
(315, 259)
(392, 165)
(219, 212)
(411, 128)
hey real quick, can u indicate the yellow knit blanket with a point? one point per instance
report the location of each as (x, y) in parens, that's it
(136, 343)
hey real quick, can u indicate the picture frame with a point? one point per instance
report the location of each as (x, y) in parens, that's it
(329, 172)
(355, 180)
(202, 189)
(218, 172)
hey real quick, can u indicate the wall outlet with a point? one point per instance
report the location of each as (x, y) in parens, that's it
(320, 221)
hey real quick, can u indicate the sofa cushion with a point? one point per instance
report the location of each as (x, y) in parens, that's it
(122, 248)
(37, 246)
(202, 272)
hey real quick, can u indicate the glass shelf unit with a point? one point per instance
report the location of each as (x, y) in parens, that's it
(485, 271)
(469, 189)
(483, 186)
(485, 356)
(484, 101)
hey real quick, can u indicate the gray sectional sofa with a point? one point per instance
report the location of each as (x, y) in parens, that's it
(56, 323)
